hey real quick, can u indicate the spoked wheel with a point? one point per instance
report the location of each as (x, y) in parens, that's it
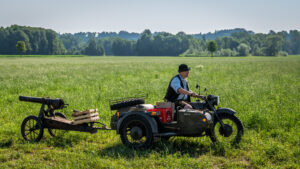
(31, 129)
(136, 132)
(57, 132)
(231, 132)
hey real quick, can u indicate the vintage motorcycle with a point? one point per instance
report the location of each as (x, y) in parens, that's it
(138, 123)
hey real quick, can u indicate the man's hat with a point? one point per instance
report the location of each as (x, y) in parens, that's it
(183, 67)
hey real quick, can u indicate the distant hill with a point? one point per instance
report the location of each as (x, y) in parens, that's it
(220, 33)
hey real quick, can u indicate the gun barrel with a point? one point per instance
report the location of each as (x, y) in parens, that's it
(54, 103)
(32, 99)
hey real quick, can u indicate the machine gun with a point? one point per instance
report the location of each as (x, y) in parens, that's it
(53, 104)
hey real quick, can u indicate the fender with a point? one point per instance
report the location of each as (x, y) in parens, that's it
(151, 120)
(225, 110)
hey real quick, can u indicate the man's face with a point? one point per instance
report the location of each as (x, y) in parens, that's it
(185, 74)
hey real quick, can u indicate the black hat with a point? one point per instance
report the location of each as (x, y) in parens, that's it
(183, 67)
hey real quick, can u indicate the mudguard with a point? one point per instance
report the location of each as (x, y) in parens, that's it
(225, 110)
(150, 119)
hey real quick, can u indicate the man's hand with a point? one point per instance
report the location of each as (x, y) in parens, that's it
(193, 94)
(196, 95)
(185, 105)
(188, 106)
(183, 91)
(200, 96)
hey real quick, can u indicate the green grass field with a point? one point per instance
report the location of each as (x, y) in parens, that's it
(265, 92)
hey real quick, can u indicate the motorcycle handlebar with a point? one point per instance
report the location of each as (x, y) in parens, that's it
(201, 97)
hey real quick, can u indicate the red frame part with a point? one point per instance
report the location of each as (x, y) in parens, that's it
(165, 114)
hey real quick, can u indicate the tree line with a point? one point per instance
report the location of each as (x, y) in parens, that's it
(30, 40)
(240, 43)
(36, 40)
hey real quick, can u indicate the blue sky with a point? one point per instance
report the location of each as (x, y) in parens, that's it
(190, 16)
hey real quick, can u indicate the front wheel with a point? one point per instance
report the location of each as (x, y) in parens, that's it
(231, 133)
(32, 129)
(135, 132)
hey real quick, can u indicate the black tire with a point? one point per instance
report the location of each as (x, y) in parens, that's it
(127, 103)
(136, 132)
(234, 136)
(32, 129)
(56, 132)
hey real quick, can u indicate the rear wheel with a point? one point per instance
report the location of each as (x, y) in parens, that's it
(57, 132)
(135, 132)
(232, 131)
(32, 129)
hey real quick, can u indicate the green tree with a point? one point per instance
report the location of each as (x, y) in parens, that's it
(93, 48)
(273, 45)
(295, 42)
(144, 44)
(212, 46)
(21, 46)
(107, 43)
(243, 49)
(257, 51)
(122, 47)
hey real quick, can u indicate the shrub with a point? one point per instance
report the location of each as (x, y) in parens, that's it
(282, 53)
(226, 52)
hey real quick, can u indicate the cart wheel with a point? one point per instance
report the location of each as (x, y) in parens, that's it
(31, 129)
(57, 132)
(136, 132)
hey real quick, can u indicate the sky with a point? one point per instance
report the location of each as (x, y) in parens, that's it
(190, 16)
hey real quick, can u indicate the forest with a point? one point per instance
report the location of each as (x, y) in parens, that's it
(27, 40)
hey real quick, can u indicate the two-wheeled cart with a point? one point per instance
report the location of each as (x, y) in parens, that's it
(32, 127)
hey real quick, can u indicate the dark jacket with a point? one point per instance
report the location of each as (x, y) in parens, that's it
(172, 95)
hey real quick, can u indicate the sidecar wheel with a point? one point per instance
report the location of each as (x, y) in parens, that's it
(136, 132)
(232, 133)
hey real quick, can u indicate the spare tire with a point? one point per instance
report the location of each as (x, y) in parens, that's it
(127, 103)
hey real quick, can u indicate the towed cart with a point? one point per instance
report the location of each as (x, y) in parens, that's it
(32, 128)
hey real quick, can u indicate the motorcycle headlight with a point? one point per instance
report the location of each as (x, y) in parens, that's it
(208, 116)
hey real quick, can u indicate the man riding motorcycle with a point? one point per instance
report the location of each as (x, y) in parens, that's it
(178, 91)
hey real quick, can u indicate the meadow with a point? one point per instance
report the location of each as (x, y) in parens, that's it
(264, 91)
